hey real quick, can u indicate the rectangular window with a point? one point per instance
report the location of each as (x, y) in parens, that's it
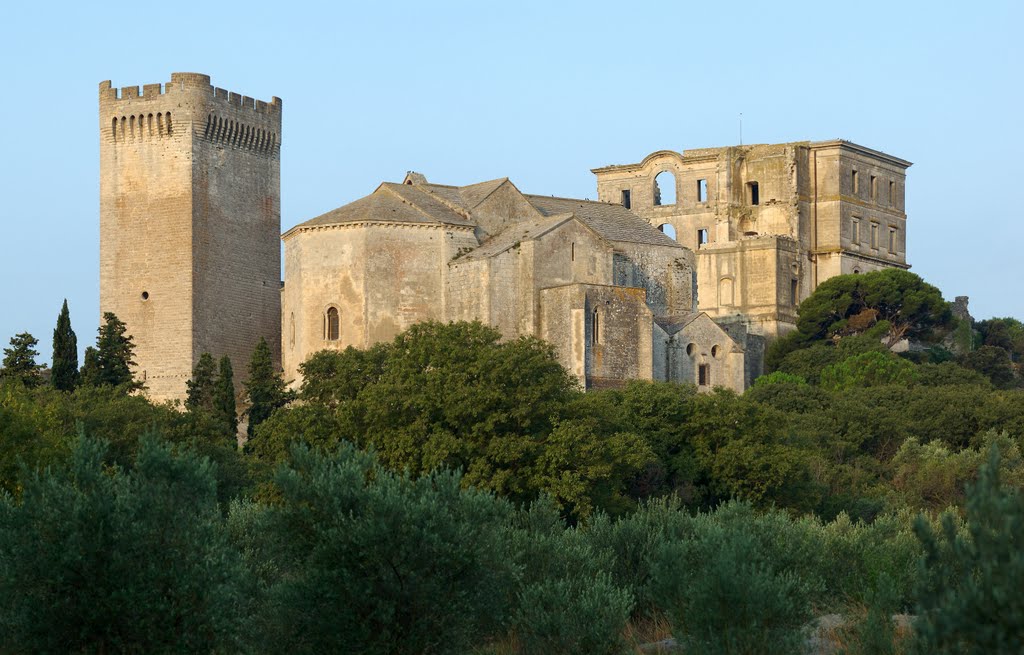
(753, 196)
(854, 182)
(572, 251)
(855, 231)
(704, 375)
(874, 235)
(892, 240)
(874, 188)
(702, 190)
(892, 193)
(625, 199)
(702, 236)
(794, 290)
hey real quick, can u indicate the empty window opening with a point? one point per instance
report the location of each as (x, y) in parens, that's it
(702, 190)
(168, 122)
(131, 126)
(691, 349)
(855, 231)
(665, 189)
(160, 123)
(113, 128)
(572, 251)
(702, 236)
(892, 240)
(874, 188)
(794, 291)
(716, 351)
(626, 200)
(669, 230)
(753, 194)
(874, 235)
(596, 333)
(149, 124)
(145, 295)
(892, 193)
(332, 324)
(854, 181)
(704, 375)
(856, 271)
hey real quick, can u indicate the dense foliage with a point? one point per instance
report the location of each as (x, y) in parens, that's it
(451, 492)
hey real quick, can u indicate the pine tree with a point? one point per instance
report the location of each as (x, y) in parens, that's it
(224, 396)
(265, 388)
(111, 362)
(201, 386)
(20, 360)
(64, 374)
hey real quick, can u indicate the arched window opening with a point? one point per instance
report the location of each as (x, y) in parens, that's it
(291, 330)
(333, 324)
(160, 123)
(169, 122)
(665, 189)
(572, 251)
(669, 231)
(113, 128)
(149, 124)
(596, 334)
(716, 351)
(691, 349)
(131, 126)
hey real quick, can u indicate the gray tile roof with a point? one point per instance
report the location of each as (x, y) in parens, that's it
(391, 203)
(516, 234)
(613, 222)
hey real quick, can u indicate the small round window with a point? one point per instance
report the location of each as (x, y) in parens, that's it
(691, 349)
(716, 351)
(145, 295)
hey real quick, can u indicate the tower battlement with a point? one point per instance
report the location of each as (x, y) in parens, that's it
(186, 83)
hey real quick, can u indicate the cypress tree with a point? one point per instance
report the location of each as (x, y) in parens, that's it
(111, 362)
(224, 396)
(64, 374)
(20, 360)
(265, 388)
(201, 386)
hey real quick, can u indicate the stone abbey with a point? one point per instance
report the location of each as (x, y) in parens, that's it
(682, 270)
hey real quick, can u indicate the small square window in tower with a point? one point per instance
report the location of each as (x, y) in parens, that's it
(704, 375)
(702, 190)
(626, 200)
(702, 236)
(753, 195)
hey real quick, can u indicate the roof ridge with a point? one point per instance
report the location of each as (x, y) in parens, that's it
(594, 202)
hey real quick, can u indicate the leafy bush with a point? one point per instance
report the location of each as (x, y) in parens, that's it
(95, 559)
(970, 600)
(357, 559)
(724, 594)
(870, 369)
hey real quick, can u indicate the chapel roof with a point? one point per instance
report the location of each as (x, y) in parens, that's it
(418, 201)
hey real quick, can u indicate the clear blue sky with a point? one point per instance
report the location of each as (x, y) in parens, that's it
(538, 91)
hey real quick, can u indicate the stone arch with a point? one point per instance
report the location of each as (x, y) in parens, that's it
(665, 188)
(669, 230)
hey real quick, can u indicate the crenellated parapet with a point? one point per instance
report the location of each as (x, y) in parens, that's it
(189, 102)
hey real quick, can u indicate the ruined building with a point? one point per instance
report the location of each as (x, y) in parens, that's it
(681, 271)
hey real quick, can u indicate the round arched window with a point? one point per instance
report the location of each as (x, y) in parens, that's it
(716, 351)
(691, 349)
(333, 324)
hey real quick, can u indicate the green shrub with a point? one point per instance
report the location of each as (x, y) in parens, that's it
(870, 369)
(971, 600)
(356, 559)
(732, 588)
(573, 615)
(722, 596)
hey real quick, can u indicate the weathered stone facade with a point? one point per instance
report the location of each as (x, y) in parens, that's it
(190, 215)
(688, 263)
(612, 294)
(770, 222)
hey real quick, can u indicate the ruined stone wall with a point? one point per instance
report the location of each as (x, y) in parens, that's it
(664, 272)
(186, 269)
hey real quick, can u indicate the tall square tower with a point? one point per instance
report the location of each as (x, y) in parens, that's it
(190, 221)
